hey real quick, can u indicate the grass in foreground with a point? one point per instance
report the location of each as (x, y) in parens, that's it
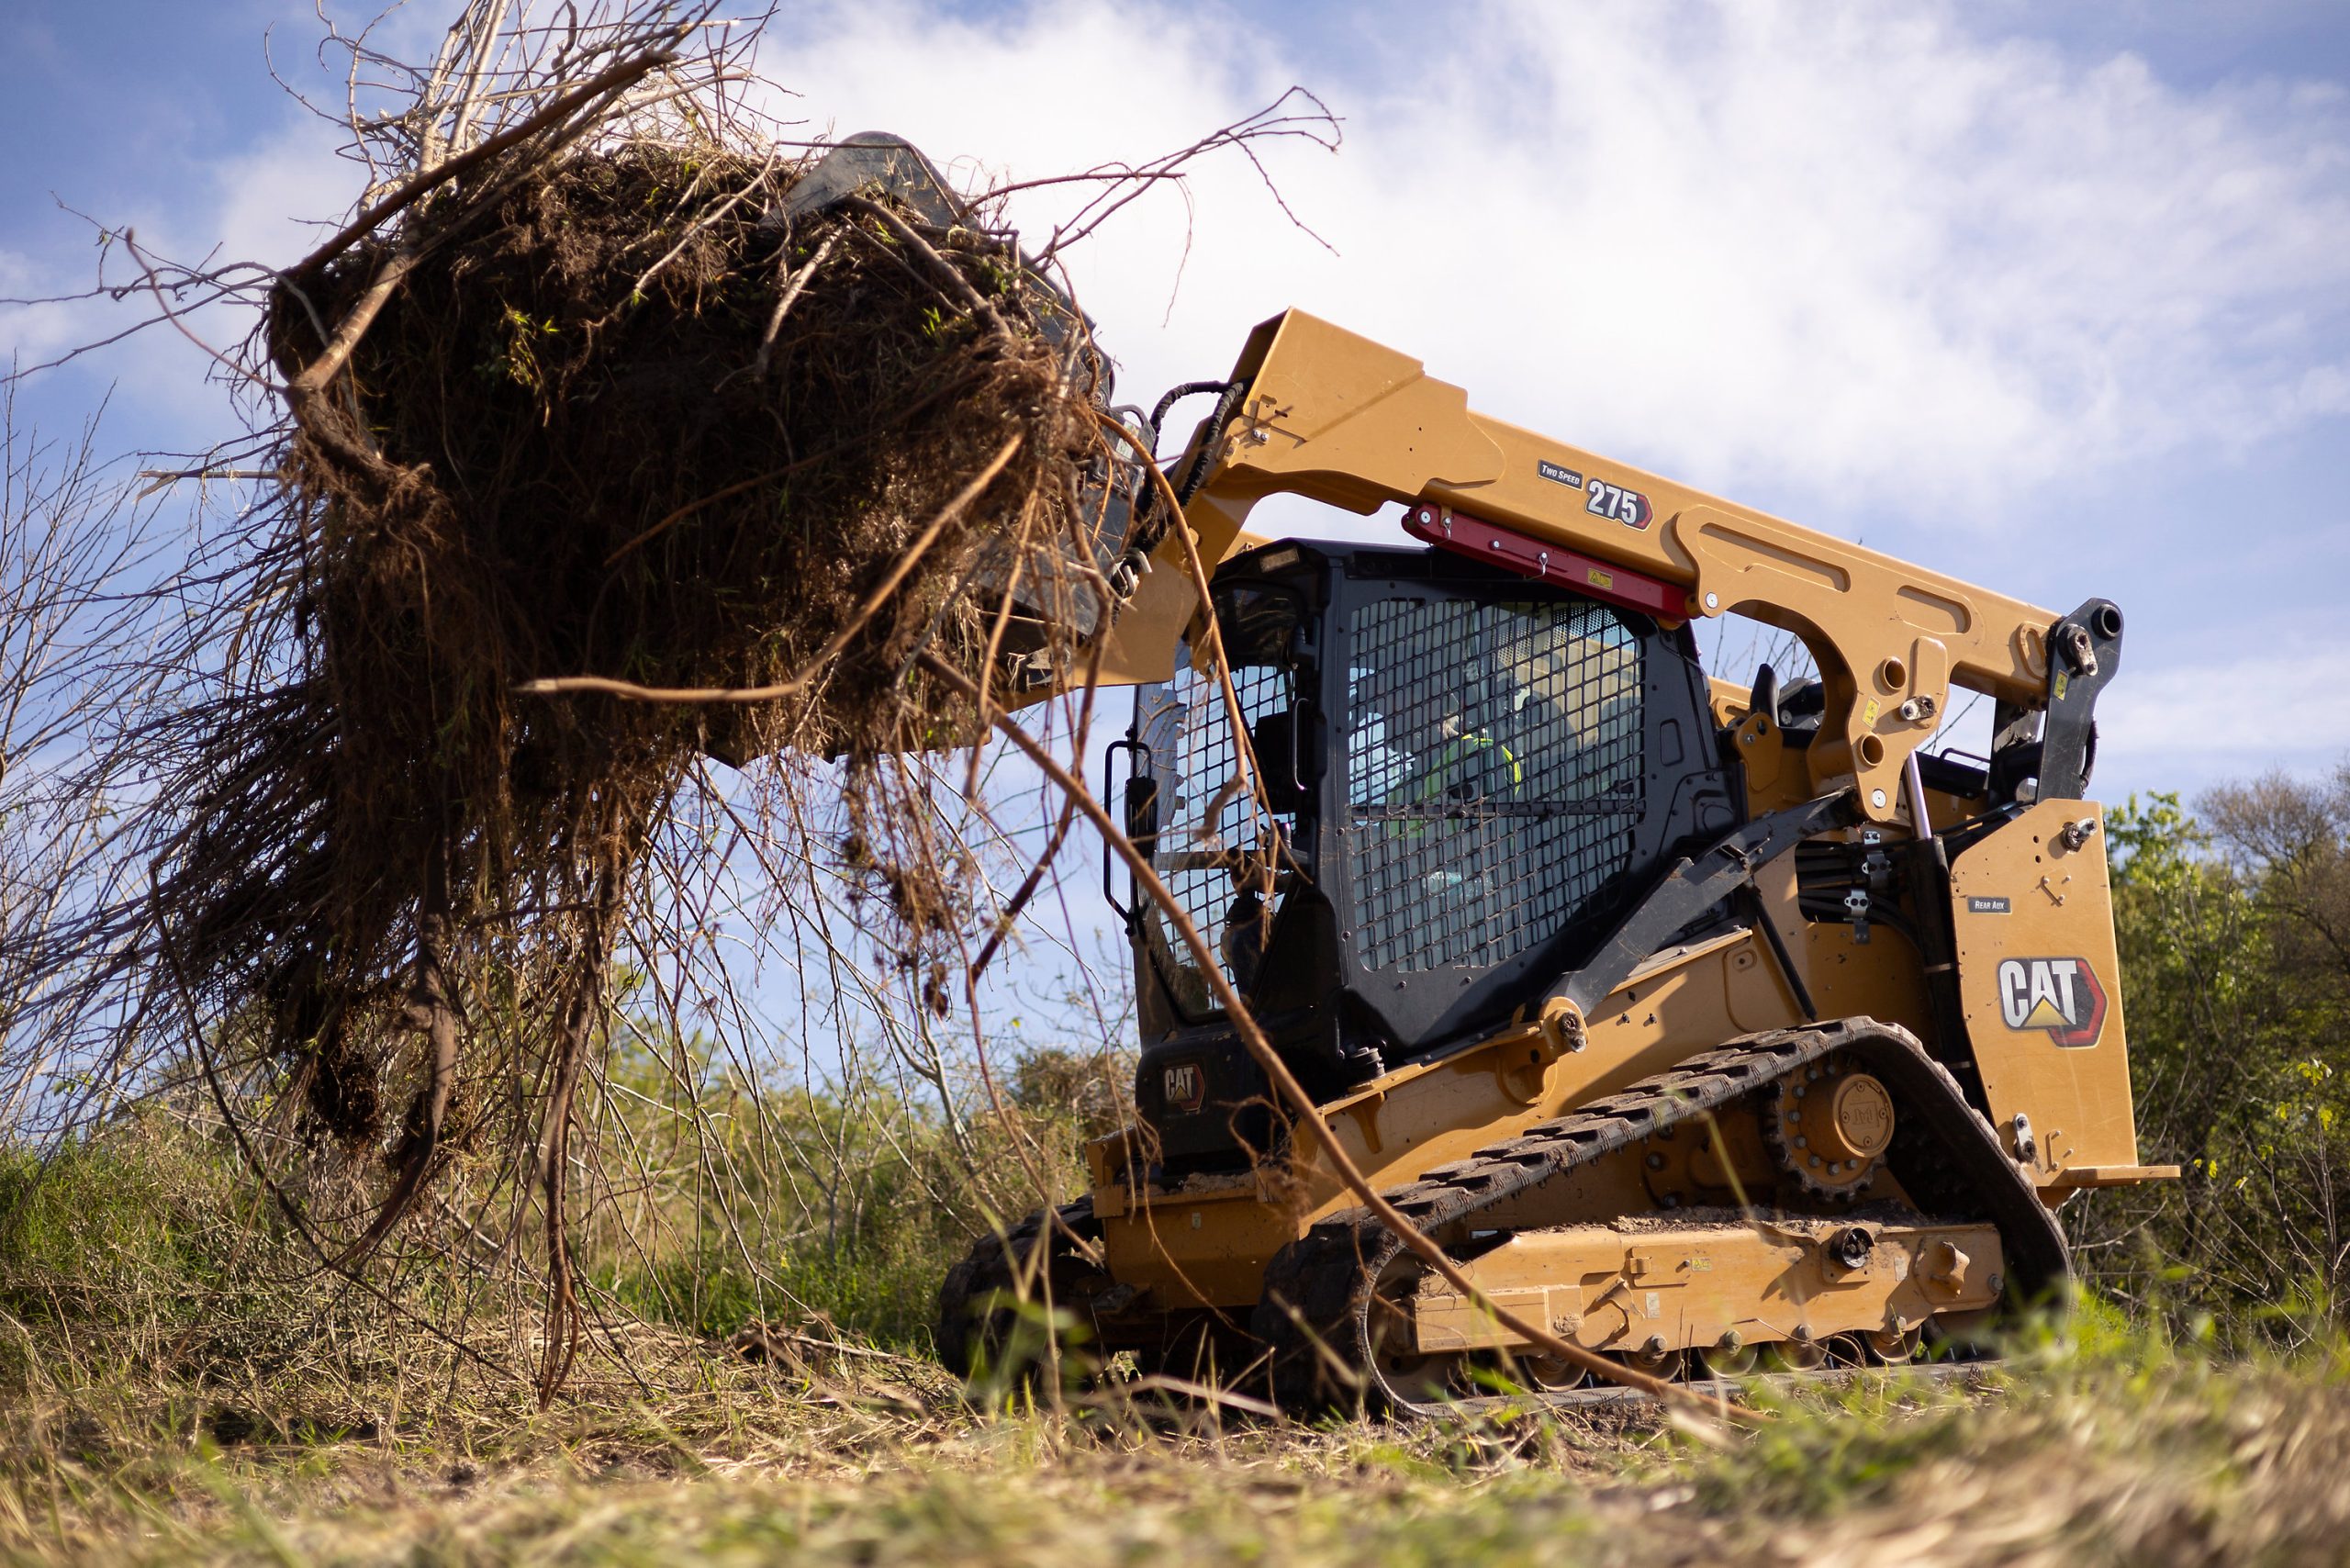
(2126, 1453)
(175, 1388)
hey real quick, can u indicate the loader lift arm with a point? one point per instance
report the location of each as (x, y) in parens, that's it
(1318, 411)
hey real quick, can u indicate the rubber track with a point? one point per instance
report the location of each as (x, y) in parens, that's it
(988, 1268)
(1317, 1288)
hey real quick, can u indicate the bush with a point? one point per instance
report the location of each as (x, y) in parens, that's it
(2231, 926)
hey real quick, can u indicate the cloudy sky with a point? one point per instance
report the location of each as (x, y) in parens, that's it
(2053, 297)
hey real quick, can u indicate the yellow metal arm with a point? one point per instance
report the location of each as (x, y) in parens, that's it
(1344, 421)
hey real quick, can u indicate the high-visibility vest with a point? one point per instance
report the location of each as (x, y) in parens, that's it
(1476, 762)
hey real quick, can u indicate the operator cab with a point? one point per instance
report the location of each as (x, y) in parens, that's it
(1466, 777)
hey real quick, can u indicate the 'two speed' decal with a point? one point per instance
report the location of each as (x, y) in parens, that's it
(2059, 996)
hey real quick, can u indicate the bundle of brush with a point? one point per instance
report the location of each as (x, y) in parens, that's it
(584, 396)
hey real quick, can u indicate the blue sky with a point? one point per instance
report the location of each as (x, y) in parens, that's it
(2053, 297)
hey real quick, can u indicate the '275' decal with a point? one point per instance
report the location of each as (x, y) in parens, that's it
(2060, 995)
(1628, 506)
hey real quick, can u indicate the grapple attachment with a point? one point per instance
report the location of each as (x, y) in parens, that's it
(1061, 592)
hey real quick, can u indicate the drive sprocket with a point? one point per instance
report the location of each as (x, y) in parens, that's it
(1828, 1126)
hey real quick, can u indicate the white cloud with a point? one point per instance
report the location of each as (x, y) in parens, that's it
(1845, 251)
(34, 332)
(263, 204)
(2286, 706)
(279, 198)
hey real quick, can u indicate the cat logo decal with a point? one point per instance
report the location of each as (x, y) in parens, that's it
(2060, 995)
(1186, 1086)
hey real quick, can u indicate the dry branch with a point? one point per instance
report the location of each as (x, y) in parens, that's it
(381, 896)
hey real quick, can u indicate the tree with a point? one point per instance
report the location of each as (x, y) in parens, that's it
(2234, 985)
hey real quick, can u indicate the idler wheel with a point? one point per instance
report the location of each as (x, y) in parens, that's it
(1801, 1354)
(1401, 1374)
(1731, 1356)
(1892, 1344)
(1549, 1375)
(1658, 1361)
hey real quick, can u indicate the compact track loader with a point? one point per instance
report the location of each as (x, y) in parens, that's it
(1702, 1024)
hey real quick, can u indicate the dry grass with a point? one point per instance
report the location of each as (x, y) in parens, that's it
(176, 1385)
(2119, 1458)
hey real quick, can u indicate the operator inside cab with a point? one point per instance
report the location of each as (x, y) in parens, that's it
(1450, 760)
(1247, 924)
(1464, 765)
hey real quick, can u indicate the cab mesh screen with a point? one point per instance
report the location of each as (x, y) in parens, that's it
(1495, 772)
(1207, 821)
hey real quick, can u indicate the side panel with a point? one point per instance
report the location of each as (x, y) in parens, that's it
(2041, 986)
